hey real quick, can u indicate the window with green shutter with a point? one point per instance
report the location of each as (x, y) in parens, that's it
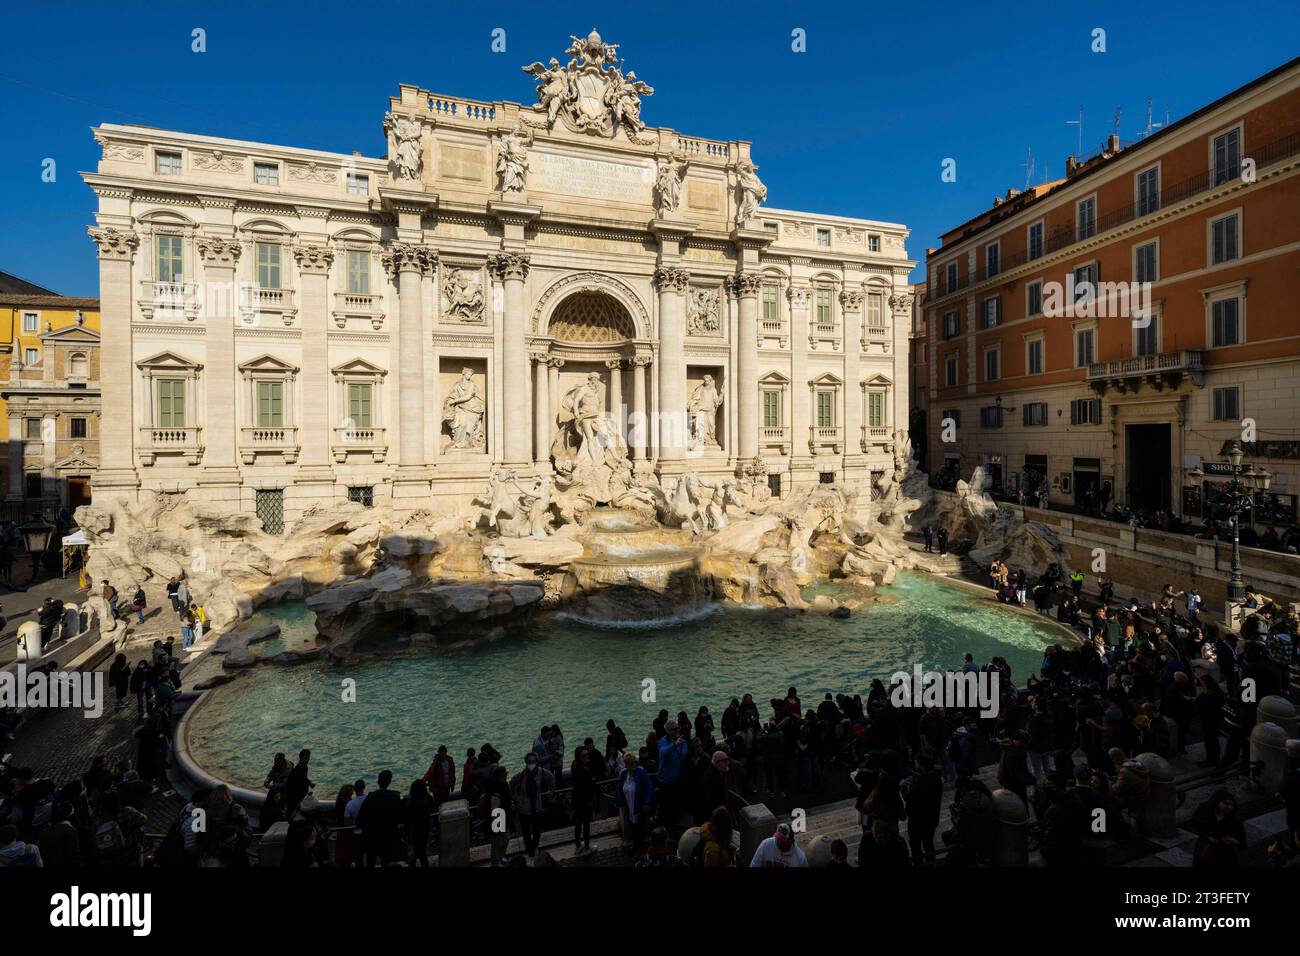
(824, 307)
(270, 404)
(171, 403)
(876, 409)
(825, 410)
(358, 272)
(771, 409)
(771, 309)
(268, 265)
(169, 265)
(359, 395)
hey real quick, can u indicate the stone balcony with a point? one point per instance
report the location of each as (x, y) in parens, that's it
(169, 299)
(358, 305)
(824, 337)
(773, 334)
(876, 339)
(874, 435)
(775, 436)
(371, 440)
(255, 301)
(268, 440)
(183, 441)
(1157, 371)
(824, 437)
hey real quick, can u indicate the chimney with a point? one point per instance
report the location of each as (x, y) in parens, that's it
(1112, 143)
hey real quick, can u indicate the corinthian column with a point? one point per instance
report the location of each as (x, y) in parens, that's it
(512, 268)
(639, 433)
(219, 255)
(747, 288)
(314, 263)
(851, 302)
(541, 407)
(409, 263)
(116, 474)
(672, 285)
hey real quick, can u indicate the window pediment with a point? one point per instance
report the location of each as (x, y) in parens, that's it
(269, 364)
(169, 361)
(359, 368)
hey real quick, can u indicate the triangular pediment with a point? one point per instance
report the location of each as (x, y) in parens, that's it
(169, 360)
(879, 379)
(774, 378)
(77, 463)
(72, 335)
(358, 366)
(267, 363)
(826, 378)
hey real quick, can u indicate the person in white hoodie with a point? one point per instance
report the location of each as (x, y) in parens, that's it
(779, 850)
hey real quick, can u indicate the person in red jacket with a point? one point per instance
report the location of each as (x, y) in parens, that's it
(441, 776)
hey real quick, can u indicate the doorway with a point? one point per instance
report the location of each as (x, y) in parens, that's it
(78, 492)
(1149, 470)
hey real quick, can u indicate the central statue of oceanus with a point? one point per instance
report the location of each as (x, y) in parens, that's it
(589, 453)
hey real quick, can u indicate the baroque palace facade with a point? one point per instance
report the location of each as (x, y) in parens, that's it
(286, 327)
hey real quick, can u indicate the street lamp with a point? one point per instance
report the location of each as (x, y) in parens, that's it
(36, 534)
(1236, 497)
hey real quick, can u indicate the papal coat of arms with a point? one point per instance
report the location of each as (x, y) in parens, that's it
(590, 93)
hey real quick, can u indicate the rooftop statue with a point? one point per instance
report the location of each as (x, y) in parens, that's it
(590, 93)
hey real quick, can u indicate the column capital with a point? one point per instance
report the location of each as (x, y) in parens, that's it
(509, 265)
(798, 296)
(554, 361)
(114, 243)
(401, 257)
(900, 304)
(218, 250)
(539, 358)
(313, 259)
(613, 364)
(747, 285)
(640, 361)
(851, 299)
(672, 280)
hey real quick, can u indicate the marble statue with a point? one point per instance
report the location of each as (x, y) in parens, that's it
(553, 87)
(536, 503)
(497, 502)
(406, 137)
(586, 436)
(684, 509)
(623, 97)
(512, 159)
(462, 413)
(590, 93)
(668, 185)
(715, 513)
(752, 192)
(704, 404)
(464, 295)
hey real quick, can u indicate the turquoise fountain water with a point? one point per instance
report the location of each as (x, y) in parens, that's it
(579, 676)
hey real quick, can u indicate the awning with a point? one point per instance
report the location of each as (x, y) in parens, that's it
(77, 537)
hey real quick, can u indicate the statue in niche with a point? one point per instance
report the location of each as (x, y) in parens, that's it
(704, 404)
(752, 192)
(406, 138)
(512, 159)
(464, 295)
(587, 436)
(702, 313)
(462, 413)
(668, 185)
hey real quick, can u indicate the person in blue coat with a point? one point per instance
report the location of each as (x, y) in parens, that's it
(635, 793)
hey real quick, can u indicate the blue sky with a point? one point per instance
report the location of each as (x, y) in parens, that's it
(858, 125)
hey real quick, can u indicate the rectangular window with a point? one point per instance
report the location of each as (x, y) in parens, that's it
(269, 505)
(873, 243)
(1225, 325)
(32, 488)
(950, 371)
(31, 322)
(1087, 217)
(1148, 191)
(1223, 239)
(953, 414)
(266, 174)
(952, 277)
(992, 365)
(770, 227)
(76, 428)
(363, 495)
(825, 409)
(1034, 356)
(992, 254)
(875, 311)
(1084, 347)
(990, 312)
(268, 265)
(1147, 338)
(824, 307)
(1085, 411)
(1227, 155)
(1085, 282)
(824, 238)
(951, 324)
(1035, 240)
(167, 164)
(771, 304)
(1145, 265)
(32, 428)
(358, 261)
(876, 409)
(31, 356)
(771, 408)
(358, 184)
(990, 417)
(359, 404)
(1035, 413)
(171, 403)
(168, 259)
(270, 404)
(1227, 404)
(1034, 294)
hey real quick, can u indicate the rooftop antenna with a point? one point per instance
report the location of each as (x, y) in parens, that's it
(1078, 123)
(1029, 167)
(1119, 111)
(1152, 125)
